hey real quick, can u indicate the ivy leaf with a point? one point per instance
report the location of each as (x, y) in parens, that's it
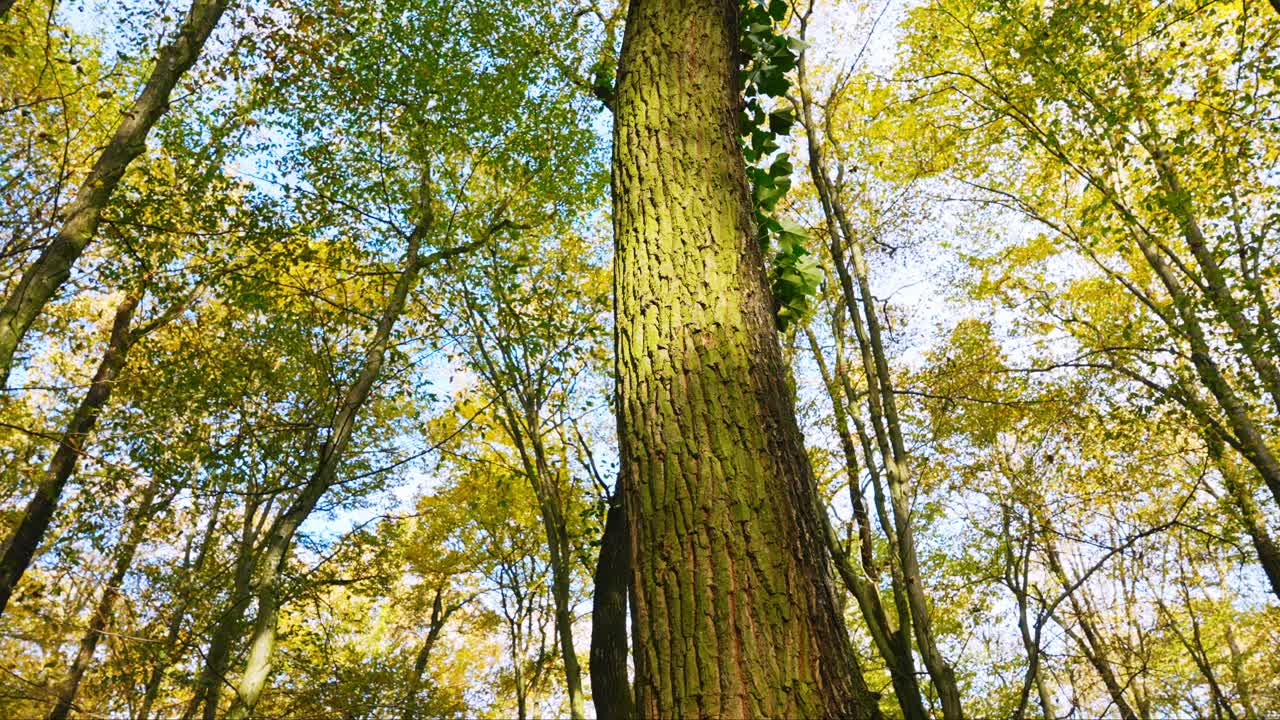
(810, 271)
(775, 84)
(790, 228)
(780, 121)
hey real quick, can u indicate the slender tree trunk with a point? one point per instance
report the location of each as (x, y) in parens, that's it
(848, 448)
(213, 674)
(888, 430)
(174, 630)
(1250, 515)
(1017, 570)
(22, 544)
(42, 279)
(279, 540)
(610, 679)
(1182, 207)
(523, 424)
(1241, 676)
(882, 404)
(560, 556)
(551, 506)
(106, 605)
(735, 609)
(1195, 648)
(866, 593)
(1091, 644)
(439, 614)
(262, 643)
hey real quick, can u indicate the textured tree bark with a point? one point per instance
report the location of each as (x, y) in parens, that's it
(106, 605)
(52, 268)
(610, 679)
(22, 544)
(735, 611)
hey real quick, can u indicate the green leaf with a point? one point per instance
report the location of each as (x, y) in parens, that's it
(780, 121)
(792, 229)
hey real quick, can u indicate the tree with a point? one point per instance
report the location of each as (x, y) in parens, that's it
(537, 338)
(735, 614)
(1165, 199)
(42, 279)
(21, 545)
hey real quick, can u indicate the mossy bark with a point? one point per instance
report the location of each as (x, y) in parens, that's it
(735, 613)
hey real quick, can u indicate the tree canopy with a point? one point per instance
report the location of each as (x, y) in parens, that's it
(571, 358)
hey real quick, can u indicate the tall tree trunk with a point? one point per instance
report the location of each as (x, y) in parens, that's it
(1017, 569)
(42, 279)
(1214, 285)
(610, 679)
(279, 540)
(439, 615)
(1091, 644)
(22, 544)
(213, 674)
(735, 609)
(106, 604)
(528, 438)
(189, 572)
